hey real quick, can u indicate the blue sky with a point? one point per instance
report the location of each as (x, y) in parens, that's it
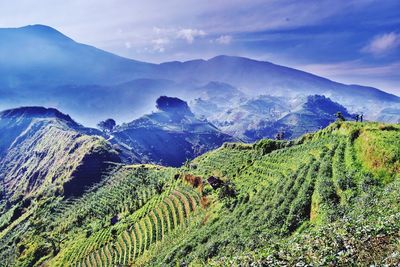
(347, 41)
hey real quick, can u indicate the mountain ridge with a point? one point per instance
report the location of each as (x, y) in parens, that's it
(70, 74)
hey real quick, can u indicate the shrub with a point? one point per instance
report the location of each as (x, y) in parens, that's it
(387, 127)
(267, 145)
(345, 182)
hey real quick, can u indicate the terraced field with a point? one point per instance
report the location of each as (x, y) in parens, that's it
(166, 216)
(320, 199)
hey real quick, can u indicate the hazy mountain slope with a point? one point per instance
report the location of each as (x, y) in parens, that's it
(315, 113)
(258, 77)
(328, 198)
(121, 101)
(170, 136)
(43, 67)
(245, 115)
(39, 55)
(391, 115)
(265, 116)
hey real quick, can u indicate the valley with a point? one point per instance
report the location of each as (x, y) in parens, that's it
(204, 153)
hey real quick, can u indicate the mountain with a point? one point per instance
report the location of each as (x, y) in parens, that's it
(169, 136)
(316, 113)
(265, 116)
(43, 150)
(391, 115)
(41, 66)
(329, 198)
(260, 77)
(38, 55)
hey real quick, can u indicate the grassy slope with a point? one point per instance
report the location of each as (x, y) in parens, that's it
(46, 157)
(319, 199)
(329, 198)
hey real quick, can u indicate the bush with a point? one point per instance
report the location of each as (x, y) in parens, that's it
(386, 127)
(345, 182)
(267, 145)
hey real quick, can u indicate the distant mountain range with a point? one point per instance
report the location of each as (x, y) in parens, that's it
(41, 66)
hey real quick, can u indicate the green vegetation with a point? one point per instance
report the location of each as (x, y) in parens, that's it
(329, 198)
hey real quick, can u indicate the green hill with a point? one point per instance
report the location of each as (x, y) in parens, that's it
(328, 198)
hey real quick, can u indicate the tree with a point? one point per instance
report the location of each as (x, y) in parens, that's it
(340, 116)
(107, 125)
(280, 135)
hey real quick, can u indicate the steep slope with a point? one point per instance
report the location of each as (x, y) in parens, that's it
(170, 136)
(42, 151)
(312, 201)
(328, 198)
(44, 157)
(39, 55)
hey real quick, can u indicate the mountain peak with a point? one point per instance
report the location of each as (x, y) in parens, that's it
(36, 112)
(34, 31)
(173, 105)
(324, 104)
(227, 58)
(40, 29)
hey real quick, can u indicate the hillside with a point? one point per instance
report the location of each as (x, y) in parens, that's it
(42, 66)
(328, 198)
(40, 55)
(169, 136)
(266, 116)
(315, 113)
(43, 155)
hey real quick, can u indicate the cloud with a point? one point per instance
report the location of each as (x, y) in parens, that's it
(162, 37)
(128, 45)
(189, 34)
(159, 44)
(224, 39)
(382, 44)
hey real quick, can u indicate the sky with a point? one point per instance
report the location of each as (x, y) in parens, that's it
(349, 41)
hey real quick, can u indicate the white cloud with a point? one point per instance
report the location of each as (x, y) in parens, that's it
(163, 36)
(128, 45)
(159, 44)
(189, 34)
(382, 44)
(224, 39)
